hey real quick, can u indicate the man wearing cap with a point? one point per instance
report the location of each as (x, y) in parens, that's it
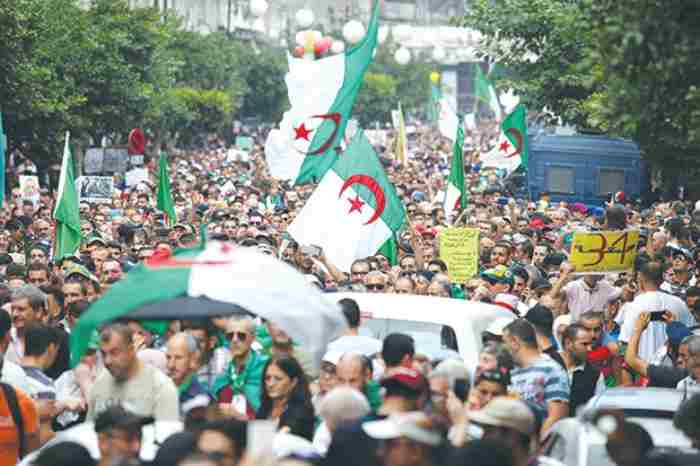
(405, 390)
(681, 277)
(119, 436)
(127, 381)
(590, 292)
(410, 439)
(542, 320)
(497, 288)
(510, 422)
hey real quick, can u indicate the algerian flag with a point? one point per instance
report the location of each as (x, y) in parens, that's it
(164, 196)
(67, 213)
(512, 150)
(322, 94)
(401, 144)
(216, 280)
(485, 92)
(456, 195)
(354, 209)
(448, 120)
(3, 146)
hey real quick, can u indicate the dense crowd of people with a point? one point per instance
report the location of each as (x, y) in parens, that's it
(373, 402)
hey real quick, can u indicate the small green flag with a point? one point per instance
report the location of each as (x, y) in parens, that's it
(456, 194)
(165, 197)
(485, 92)
(67, 212)
(512, 149)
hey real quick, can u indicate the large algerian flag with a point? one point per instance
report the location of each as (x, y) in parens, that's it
(164, 196)
(512, 149)
(3, 148)
(67, 212)
(354, 209)
(485, 92)
(219, 279)
(456, 195)
(322, 94)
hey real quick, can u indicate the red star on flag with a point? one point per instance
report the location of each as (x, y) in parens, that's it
(355, 204)
(504, 146)
(302, 133)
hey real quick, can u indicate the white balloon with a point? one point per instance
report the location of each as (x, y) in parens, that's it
(300, 38)
(383, 34)
(318, 35)
(258, 7)
(338, 46)
(439, 54)
(305, 18)
(402, 56)
(353, 31)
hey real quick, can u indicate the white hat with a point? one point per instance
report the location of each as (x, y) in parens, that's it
(414, 426)
(332, 357)
(506, 412)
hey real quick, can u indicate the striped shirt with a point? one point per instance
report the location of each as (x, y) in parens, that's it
(541, 382)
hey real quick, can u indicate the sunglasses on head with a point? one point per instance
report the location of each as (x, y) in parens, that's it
(373, 286)
(495, 376)
(241, 336)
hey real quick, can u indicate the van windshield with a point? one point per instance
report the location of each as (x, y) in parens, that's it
(431, 339)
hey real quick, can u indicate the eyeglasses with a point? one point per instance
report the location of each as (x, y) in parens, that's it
(241, 336)
(375, 286)
(353, 272)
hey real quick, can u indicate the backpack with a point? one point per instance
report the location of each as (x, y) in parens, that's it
(13, 404)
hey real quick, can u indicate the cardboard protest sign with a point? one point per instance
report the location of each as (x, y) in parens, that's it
(459, 248)
(29, 188)
(604, 251)
(95, 188)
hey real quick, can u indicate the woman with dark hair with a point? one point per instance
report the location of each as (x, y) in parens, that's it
(286, 397)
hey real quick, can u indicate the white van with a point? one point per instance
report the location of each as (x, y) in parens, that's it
(436, 324)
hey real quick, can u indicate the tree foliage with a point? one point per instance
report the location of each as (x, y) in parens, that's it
(376, 100)
(628, 68)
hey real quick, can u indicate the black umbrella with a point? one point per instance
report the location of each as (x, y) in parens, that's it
(185, 308)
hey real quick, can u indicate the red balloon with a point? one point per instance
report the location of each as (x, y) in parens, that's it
(318, 48)
(299, 51)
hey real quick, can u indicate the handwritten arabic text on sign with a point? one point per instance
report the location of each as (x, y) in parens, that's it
(604, 251)
(459, 248)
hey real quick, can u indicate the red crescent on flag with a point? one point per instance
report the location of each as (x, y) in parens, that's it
(373, 186)
(335, 118)
(519, 138)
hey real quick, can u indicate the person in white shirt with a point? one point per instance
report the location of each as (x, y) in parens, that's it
(653, 301)
(588, 293)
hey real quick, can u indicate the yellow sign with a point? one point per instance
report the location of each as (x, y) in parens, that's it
(459, 248)
(604, 251)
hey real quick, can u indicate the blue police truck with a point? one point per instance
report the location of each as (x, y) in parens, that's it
(585, 168)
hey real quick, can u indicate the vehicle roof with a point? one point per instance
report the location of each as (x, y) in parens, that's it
(444, 311)
(585, 144)
(636, 398)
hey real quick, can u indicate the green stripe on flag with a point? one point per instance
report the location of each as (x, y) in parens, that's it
(514, 126)
(456, 177)
(165, 196)
(357, 60)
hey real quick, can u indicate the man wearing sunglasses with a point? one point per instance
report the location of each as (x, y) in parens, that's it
(239, 389)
